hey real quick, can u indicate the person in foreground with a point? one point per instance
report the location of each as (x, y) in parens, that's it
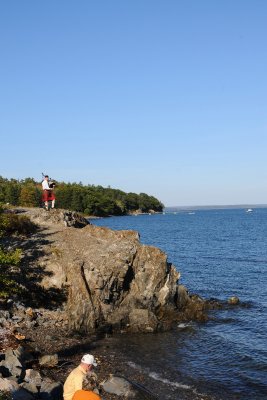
(73, 387)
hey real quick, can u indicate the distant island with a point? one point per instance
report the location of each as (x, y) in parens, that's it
(213, 207)
(91, 200)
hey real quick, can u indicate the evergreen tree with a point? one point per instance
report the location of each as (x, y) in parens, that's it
(29, 196)
(13, 193)
(91, 199)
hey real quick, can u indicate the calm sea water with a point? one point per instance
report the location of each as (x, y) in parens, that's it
(220, 253)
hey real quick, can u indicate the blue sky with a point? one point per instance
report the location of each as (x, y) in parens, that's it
(163, 97)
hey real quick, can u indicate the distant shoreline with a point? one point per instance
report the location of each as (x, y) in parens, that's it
(214, 207)
(175, 209)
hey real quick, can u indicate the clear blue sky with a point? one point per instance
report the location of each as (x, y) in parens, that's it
(164, 97)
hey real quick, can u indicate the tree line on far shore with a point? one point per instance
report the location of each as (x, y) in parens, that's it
(88, 199)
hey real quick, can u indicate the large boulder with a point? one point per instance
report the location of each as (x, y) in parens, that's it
(110, 274)
(126, 389)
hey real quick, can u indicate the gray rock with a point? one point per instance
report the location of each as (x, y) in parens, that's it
(22, 394)
(57, 216)
(20, 307)
(7, 385)
(4, 322)
(121, 386)
(183, 296)
(141, 320)
(117, 385)
(30, 387)
(71, 218)
(234, 300)
(48, 361)
(17, 318)
(12, 363)
(4, 314)
(32, 376)
(31, 324)
(51, 390)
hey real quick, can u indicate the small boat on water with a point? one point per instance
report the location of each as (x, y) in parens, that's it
(249, 210)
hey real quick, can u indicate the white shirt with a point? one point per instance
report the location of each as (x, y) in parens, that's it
(45, 185)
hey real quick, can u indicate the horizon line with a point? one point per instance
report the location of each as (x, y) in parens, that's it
(242, 205)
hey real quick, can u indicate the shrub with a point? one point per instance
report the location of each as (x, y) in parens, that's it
(9, 257)
(13, 223)
(5, 395)
(8, 283)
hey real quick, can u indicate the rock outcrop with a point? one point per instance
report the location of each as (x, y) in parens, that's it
(113, 282)
(54, 216)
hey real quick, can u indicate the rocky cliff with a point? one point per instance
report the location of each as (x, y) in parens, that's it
(113, 282)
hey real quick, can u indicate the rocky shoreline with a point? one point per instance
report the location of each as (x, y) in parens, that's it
(84, 285)
(52, 352)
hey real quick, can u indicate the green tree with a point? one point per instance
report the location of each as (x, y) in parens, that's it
(91, 199)
(29, 196)
(13, 193)
(144, 203)
(132, 201)
(63, 194)
(77, 200)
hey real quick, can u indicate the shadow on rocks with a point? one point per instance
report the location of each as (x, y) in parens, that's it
(30, 272)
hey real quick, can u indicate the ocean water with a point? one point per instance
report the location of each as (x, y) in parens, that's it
(220, 253)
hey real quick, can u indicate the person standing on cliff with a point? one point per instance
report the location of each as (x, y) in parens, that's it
(48, 192)
(73, 387)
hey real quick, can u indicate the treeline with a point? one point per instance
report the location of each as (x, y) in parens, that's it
(88, 199)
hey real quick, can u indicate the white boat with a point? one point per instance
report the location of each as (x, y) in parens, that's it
(249, 210)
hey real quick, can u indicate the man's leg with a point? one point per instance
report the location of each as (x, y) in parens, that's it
(45, 199)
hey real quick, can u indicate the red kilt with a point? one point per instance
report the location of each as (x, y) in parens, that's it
(48, 195)
(52, 195)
